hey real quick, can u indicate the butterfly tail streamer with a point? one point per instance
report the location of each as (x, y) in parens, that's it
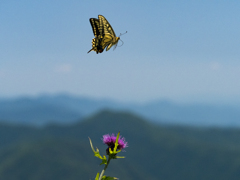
(90, 50)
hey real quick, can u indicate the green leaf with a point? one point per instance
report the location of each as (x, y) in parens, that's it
(104, 160)
(118, 157)
(97, 154)
(97, 176)
(116, 143)
(112, 154)
(108, 178)
(92, 146)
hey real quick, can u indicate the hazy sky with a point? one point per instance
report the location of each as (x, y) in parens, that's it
(178, 50)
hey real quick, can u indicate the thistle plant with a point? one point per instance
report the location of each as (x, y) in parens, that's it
(115, 145)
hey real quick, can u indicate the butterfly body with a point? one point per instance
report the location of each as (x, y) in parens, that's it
(105, 36)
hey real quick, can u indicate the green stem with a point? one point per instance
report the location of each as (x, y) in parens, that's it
(103, 171)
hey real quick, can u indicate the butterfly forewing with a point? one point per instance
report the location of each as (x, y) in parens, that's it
(110, 38)
(105, 26)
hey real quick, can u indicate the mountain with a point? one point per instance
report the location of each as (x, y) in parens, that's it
(224, 115)
(60, 152)
(68, 109)
(36, 111)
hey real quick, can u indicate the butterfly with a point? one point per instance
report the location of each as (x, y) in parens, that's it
(105, 36)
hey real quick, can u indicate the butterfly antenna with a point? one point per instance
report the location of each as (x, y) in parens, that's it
(120, 39)
(122, 34)
(122, 43)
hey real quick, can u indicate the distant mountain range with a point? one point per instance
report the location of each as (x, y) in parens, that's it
(62, 152)
(67, 109)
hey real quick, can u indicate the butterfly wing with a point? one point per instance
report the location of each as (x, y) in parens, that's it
(109, 36)
(95, 26)
(105, 26)
(96, 42)
(96, 45)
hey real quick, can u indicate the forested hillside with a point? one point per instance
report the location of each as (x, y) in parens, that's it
(62, 152)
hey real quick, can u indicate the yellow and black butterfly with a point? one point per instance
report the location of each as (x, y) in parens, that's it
(105, 36)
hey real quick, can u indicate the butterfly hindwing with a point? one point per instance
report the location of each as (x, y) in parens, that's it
(96, 45)
(95, 26)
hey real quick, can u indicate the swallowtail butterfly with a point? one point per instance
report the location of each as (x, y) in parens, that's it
(105, 36)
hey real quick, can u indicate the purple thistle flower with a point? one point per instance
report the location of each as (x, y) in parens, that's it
(110, 141)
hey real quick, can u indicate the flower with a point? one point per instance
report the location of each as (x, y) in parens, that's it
(110, 141)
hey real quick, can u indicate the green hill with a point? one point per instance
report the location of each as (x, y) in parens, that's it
(155, 152)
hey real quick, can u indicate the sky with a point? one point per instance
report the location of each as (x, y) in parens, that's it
(184, 51)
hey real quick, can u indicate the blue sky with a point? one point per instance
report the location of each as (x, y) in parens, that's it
(185, 51)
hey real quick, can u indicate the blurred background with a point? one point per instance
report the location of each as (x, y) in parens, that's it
(172, 89)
